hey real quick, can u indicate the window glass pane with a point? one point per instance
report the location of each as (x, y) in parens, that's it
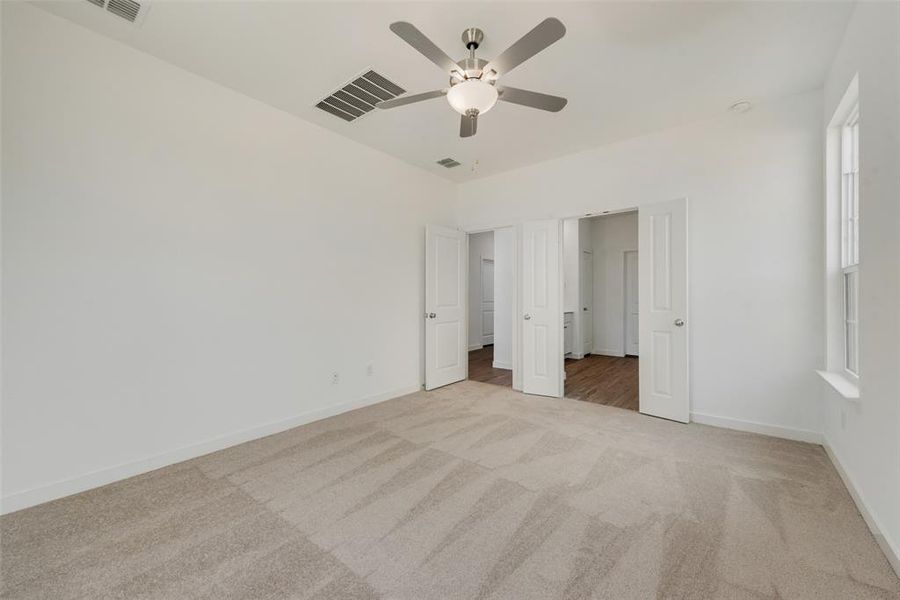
(852, 350)
(855, 218)
(850, 190)
(851, 328)
(851, 210)
(846, 150)
(850, 291)
(845, 220)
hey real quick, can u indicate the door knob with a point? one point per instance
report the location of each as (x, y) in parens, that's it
(431, 315)
(679, 322)
(527, 317)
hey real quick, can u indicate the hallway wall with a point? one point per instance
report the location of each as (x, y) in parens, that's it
(504, 295)
(481, 247)
(611, 236)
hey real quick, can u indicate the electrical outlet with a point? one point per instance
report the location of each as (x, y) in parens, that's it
(370, 370)
(335, 378)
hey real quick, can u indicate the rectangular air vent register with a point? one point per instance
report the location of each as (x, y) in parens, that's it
(130, 10)
(360, 96)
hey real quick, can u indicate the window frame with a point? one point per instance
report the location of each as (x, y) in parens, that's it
(840, 319)
(849, 203)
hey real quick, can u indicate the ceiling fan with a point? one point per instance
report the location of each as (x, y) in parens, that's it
(473, 81)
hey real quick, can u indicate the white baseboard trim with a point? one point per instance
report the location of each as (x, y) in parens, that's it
(81, 483)
(475, 347)
(502, 365)
(891, 551)
(788, 433)
(618, 353)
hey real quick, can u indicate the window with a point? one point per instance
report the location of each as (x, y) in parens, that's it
(850, 238)
(842, 146)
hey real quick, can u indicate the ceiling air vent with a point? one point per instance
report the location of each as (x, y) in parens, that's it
(130, 10)
(449, 163)
(359, 96)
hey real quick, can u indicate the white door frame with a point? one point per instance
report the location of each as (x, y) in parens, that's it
(641, 259)
(517, 321)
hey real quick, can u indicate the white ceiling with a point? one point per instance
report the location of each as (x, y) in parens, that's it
(627, 68)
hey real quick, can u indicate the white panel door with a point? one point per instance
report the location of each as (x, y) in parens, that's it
(446, 333)
(587, 302)
(487, 301)
(632, 304)
(542, 317)
(663, 310)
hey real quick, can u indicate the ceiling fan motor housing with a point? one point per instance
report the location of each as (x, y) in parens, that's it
(471, 67)
(472, 38)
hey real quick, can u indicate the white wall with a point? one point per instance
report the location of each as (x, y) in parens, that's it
(481, 247)
(754, 184)
(611, 236)
(864, 436)
(504, 293)
(184, 267)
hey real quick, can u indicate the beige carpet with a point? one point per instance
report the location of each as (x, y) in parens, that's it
(472, 491)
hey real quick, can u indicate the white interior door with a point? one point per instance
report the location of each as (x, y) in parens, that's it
(587, 302)
(542, 317)
(487, 301)
(632, 304)
(663, 308)
(446, 333)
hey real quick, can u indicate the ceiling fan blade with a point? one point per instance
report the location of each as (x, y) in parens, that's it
(403, 100)
(547, 32)
(532, 99)
(468, 125)
(415, 38)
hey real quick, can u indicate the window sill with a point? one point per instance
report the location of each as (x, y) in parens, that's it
(843, 386)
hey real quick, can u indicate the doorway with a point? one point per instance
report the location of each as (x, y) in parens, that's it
(490, 299)
(604, 366)
(542, 305)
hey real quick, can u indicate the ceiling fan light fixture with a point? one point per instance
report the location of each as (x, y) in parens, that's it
(472, 94)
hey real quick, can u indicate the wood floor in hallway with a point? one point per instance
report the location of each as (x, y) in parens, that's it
(481, 368)
(608, 380)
